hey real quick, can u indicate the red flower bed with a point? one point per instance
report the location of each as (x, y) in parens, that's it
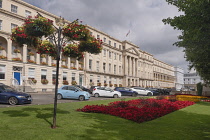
(139, 110)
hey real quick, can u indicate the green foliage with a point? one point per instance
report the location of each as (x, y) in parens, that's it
(195, 27)
(199, 88)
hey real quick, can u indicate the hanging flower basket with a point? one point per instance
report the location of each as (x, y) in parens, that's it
(73, 68)
(43, 63)
(3, 57)
(54, 82)
(80, 68)
(17, 59)
(53, 64)
(31, 53)
(73, 82)
(98, 84)
(43, 56)
(2, 48)
(65, 82)
(16, 51)
(47, 48)
(44, 81)
(71, 50)
(38, 26)
(31, 61)
(20, 38)
(64, 66)
(76, 31)
(115, 85)
(92, 45)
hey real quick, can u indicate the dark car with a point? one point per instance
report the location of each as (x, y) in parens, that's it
(83, 88)
(13, 97)
(159, 91)
(126, 91)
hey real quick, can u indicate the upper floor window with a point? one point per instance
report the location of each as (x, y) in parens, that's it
(13, 26)
(0, 24)
(115, 45)
(98, 36)
(115, 56)
(97, 66)
(104, 52)
(110, 54)
(104, 39)
(110, 42)
(14, 8)
(104, 67)
(90, 64)
(28, 13)
(119, 57)
(120, 47)
(115, 69)
(0, 3)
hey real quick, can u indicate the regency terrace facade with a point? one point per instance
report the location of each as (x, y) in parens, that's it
(119, 63)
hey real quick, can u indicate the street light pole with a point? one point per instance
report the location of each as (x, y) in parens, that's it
(59, 30)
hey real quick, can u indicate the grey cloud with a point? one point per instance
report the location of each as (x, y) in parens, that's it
(116, 17)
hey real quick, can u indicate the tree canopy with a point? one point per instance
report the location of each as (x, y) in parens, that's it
(195, 33)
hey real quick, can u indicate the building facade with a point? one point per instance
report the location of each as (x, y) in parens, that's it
(121, 63)
(191, 79)
(179, 74)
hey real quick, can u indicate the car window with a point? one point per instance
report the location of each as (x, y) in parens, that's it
(108, 89)
(127, 89)
(71, 88)
(65, 88)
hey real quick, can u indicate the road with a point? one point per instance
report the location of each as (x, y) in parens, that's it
(39, 99)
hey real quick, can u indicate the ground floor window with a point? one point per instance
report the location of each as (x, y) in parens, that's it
(2, 71)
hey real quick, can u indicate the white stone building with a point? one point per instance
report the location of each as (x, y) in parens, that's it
(179, 74)
(120, 62)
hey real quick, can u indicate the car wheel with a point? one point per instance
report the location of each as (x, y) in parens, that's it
(59, 96)
(134, 95)
(81, 98)
(13, 101)
(96, 95)
(149, 94)
(115, 96)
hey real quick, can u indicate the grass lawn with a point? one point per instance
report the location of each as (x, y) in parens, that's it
(34, 123)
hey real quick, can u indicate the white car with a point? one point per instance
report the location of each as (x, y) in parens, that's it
(142, 91)
(106, 92)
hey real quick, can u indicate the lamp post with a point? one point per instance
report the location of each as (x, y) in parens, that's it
(57, 41)
(59, 22)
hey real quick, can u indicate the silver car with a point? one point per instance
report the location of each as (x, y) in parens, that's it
(142, 91)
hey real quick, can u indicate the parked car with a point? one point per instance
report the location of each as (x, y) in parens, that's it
(126, 91)
(92, 88)
(11, 96)
(159, 91)
(142, 91)
(83, 88)
(72, 92)
(106, 92)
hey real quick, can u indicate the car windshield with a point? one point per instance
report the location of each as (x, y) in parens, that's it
(6, 88)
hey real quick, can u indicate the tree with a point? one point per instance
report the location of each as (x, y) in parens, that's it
(195, 27)
(69, 40)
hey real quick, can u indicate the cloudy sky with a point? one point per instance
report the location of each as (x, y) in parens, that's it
(116, 17)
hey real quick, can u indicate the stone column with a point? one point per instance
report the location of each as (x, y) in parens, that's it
(24, 53)
(125, 68)
(130, 67)
(9, 49)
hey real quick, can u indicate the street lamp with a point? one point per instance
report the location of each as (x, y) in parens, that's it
(57, 41)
